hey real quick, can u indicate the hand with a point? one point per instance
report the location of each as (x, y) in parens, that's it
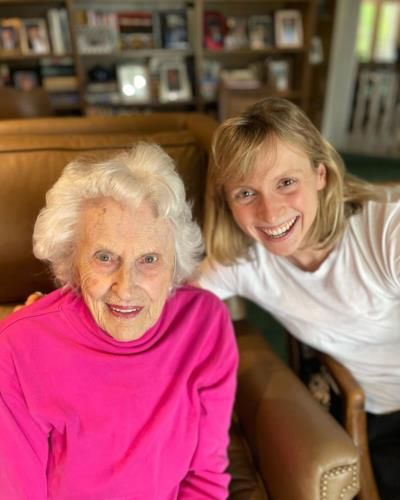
(33, 297)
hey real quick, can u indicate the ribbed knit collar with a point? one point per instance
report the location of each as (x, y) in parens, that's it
(82, 320)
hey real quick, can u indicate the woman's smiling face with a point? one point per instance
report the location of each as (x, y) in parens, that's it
(277, 204)
(125, 263)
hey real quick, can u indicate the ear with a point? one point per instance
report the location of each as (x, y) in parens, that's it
(321, 176)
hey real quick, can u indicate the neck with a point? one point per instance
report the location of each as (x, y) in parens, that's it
(309, 259)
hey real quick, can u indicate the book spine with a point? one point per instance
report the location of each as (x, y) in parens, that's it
(56, 37)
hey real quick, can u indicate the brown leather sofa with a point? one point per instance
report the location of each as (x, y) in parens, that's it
(284, 446)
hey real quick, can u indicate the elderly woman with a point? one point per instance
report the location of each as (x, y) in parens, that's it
(120, 383)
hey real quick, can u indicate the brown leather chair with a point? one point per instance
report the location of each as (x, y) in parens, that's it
(353, 416)
(24, 103)
(284, 446)
(355, 422)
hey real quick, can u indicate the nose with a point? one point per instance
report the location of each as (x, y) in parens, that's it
(124, 282)
(270, 209)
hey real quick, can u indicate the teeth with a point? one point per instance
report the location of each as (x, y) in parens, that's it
(280, 230)
(125, 311)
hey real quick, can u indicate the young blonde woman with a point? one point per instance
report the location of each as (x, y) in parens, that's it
(289, 229)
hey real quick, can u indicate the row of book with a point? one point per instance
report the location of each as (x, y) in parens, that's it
(27, 36)
(107, 32)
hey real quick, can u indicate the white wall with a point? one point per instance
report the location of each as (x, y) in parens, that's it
(342, 73)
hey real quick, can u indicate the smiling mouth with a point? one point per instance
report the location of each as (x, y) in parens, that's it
(280, 231)
(127, 312)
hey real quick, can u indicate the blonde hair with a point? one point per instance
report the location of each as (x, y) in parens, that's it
(145, 173)
(236, 144)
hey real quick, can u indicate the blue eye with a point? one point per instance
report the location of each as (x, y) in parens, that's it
(287, 182)
(150, 259)
(244, 194)
(103, 257)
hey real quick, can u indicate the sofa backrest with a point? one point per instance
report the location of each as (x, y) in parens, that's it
(34, 152)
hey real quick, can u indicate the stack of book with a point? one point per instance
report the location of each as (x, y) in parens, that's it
(60, 80)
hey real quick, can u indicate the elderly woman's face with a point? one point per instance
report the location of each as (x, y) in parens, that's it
(125, 262)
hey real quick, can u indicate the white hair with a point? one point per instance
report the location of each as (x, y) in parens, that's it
(145, 173)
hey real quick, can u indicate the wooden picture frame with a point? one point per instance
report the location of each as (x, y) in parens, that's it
(10, 36)
(133, 83)
(174, 82)
(288, 29)
(34, 37)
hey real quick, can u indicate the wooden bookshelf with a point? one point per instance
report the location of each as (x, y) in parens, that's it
(196, 56)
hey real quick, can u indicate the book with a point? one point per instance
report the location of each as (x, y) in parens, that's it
(174, 32)
(55, 31)
(60, 83)
(65, 30)
(136, 30)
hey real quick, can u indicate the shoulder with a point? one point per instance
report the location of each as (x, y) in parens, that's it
(42, 311)
(379, 219)
(193, 298)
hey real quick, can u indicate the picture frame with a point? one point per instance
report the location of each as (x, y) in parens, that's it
(236, 36)
(288, 29)
(34, 37)
(174, 29)
(96, 39)
(133, 83)
(214, 30)
(279, 75)
(261, 32)
(25, 79)
(10, 35)
(174, 82)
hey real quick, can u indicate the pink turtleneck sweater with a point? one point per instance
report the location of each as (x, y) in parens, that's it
(86, 417)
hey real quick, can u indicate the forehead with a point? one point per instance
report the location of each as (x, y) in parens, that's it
(110, 223)
(279, 157)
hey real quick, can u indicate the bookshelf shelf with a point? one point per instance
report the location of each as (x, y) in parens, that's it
(99, 37)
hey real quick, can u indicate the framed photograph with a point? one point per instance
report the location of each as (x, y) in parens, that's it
(25, 79)
(261, 32)
(214, 30)
(34, 37)
(10, 35)
(174, 82)
(278, 75)
(174, 29)
(316, 55)
(236, 33)
(133, 83)
(210, 79)
(288, 29)
(96, 39)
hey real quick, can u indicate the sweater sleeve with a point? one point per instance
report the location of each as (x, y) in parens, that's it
(207, 476)
(23, 443)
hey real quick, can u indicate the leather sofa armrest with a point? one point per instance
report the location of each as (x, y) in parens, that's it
(300, 451)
